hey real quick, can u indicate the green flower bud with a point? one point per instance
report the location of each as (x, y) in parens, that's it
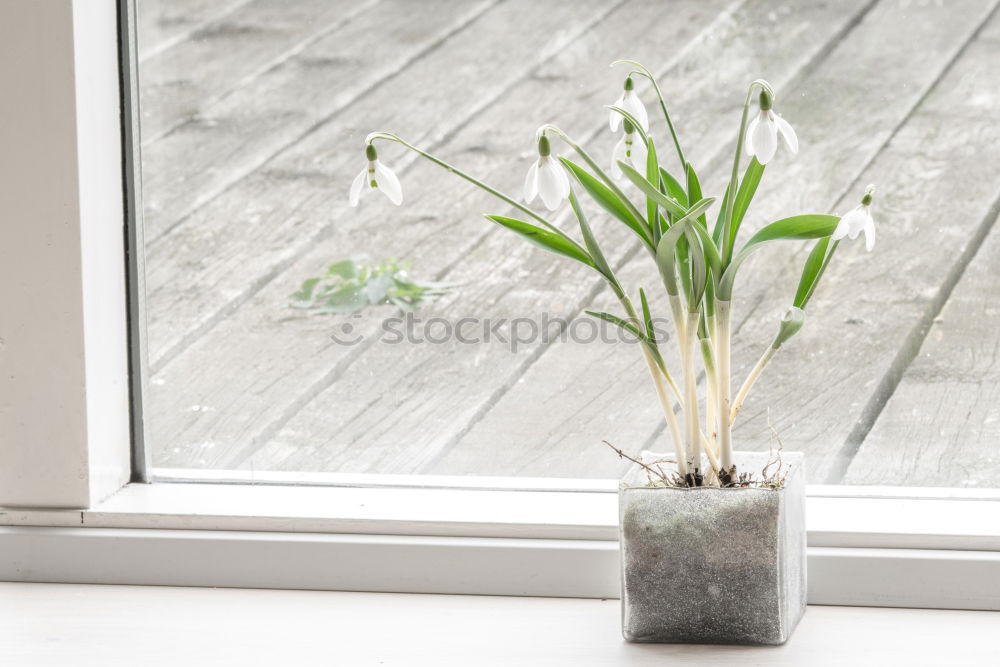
(544, 149)
(629, 84)
(371, 153)
(790, 325)
(765, 100)
(869, 194)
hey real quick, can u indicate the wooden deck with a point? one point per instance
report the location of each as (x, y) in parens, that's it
(253, 117)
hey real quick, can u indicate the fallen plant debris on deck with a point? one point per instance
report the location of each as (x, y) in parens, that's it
(353, 284)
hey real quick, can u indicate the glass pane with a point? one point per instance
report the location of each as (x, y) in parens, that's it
(288, 331)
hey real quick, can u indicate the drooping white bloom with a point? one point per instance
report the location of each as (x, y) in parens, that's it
(546, 177)
(857, 220)
(630, 102)
(762, 132)
(630, 149)
(376, 176)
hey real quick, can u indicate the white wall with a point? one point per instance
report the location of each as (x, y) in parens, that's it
(63, 363)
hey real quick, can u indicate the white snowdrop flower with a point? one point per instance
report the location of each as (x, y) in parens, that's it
(630, 149)
(631, 103)
(857, 220)
(546, 177)
(376, 176)
(762, 132)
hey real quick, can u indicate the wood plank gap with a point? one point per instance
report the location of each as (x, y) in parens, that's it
(787, 73)
(905, 113)
(720, 155)
(894, 375)
(808, 68)
(513, 378)
(315, 127)
(271, 64)
(909, 351)
(142, 56)
(273, 428)
(327, 379)
(402, 167)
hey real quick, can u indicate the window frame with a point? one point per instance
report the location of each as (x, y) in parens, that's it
(81, 505)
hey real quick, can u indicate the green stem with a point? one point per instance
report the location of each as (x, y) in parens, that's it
(471, 179)
(819, 274)
(734, 181)
(661, 394)
(693, 436)
(663, 104)
(711, 390)
(769, 353)
(758, 368)
(723, 351)
(634, 318)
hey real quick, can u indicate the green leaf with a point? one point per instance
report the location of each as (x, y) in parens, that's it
(305, 292)
(710, 249)
(596, 255)
(699, 268)
(621, 322)
(674, 188)
(666, 255)
(744, 195)
(377, 288)
(653, 178)
(607, 199)
(350, 285)
(811, 272)
(720, 219)
(632, 329)
(544, 239)
(810, 226)
(672, 206)
(345, 268)
(694, 188)
(684, 263)
(347, 300)
(647, 318)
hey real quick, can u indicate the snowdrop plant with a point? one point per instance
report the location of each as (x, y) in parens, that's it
(546, 178)
(697, 260)
(376, 176)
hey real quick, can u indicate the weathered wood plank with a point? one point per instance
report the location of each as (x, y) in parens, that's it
(835, 147)
(942, 425)
(294, 203)
(163, 23)
(438, 391)
(179, 84)
(863, 317)
(241, 132)
(196, 273)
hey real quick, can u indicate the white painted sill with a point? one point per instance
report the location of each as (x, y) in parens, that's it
(931, 550)
(583, 510)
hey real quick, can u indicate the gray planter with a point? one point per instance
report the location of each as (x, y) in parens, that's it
(714, 566)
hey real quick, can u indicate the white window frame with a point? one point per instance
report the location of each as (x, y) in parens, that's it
(73, 515)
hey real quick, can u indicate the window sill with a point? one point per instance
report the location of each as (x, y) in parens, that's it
(862, 550)
(45, 624)
(927, 519)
